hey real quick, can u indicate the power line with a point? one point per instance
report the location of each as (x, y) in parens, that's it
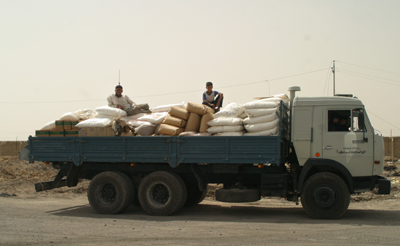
(369, 112)
(348, 71)
(365, 77)
(181, 92)
(368, 67)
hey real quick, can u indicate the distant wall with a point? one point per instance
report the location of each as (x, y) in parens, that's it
(11, 148)
(392, 146)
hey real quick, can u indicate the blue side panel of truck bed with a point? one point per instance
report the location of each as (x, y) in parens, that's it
(229, 149)
(171, 150)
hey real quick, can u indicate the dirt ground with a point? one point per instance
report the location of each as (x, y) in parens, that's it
(63, 217)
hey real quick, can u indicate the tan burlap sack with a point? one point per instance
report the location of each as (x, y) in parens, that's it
(203, 123)
(170, 130)
(196, 108)
(210, 110)
(193, 123)
(180, 113)
(174, 121)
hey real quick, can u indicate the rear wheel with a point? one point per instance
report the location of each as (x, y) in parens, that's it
(325, 196)
(162, 193)
(110, 192)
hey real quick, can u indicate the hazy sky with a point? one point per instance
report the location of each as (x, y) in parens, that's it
(62, 56)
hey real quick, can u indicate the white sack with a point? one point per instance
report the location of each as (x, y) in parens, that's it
(155, 118)
(260, 119)
(229, 133)
(282, 97)
(105, 122)
(133, 117)
(222, 121)
(166, 108)
(114, 113)
(231, 110)
(49, 126)
(70, 117)
(218, 129)
(85, 114)
(137, 123)
(243, 115)
(262, 104)
(262, 126)
(269, 132)
(202, 134)
(187, 134)
(145, 129)
(261, 111)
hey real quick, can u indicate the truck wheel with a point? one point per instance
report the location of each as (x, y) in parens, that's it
(110, 192)
(162, 193)
(325, 196)
(194, 195)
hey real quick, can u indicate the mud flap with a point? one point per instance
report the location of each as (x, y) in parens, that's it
(73, 175)
(384, 186)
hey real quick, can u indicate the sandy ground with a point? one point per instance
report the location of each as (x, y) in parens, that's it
(64, 217)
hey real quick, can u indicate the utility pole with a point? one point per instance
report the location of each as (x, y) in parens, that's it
(392, 140)
(334, 72)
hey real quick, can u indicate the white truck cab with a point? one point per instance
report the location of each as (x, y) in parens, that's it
(335, 133)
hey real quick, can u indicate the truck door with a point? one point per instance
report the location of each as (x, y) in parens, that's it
(348, 139)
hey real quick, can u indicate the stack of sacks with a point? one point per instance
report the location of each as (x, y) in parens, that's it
(104, 117)
(198, 118)
(174, 122)
(227, 121)
(121, 128)
(263, 117)
(167, 108)
(149, 123)
(133, 119)
(79, 115)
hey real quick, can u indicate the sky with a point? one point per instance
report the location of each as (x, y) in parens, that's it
(62, 56)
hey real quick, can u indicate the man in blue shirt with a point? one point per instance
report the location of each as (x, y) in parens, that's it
(212, 99)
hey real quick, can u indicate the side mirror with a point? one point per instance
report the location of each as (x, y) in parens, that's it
(361, 120)
(361, 125)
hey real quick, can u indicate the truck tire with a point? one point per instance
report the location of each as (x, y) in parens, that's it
(237, 195)
(162, 193)
(194, 195)
(110, 192)
(325, 196)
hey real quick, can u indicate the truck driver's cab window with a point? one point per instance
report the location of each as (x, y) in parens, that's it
(339, 120)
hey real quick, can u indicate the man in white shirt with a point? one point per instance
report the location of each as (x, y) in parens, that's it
(117, 100)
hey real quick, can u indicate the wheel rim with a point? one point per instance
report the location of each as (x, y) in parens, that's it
(159, 194)
(324, 196)
(107, 193)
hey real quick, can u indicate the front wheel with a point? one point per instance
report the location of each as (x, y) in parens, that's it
(325, 196)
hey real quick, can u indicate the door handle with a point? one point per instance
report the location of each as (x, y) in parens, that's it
(327, 147)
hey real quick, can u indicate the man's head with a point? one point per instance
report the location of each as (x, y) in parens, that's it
(335, 118)
(209, 86)
(118, 91)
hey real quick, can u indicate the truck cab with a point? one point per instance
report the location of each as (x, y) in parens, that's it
(334, 134)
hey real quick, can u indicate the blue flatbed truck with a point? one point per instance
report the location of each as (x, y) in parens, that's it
(163, 174)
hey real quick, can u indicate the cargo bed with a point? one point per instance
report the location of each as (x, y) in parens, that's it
(171, 150)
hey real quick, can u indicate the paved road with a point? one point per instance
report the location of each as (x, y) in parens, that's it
(57, 221)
